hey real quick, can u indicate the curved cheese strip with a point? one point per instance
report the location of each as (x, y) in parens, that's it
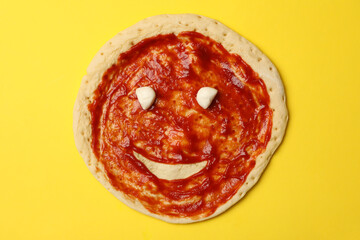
(170, 171)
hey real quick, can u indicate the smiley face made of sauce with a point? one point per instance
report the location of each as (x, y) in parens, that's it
(177, 158)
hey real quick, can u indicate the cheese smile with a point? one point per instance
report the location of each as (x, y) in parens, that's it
(170, 171)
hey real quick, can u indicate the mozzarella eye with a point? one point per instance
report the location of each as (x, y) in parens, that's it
(205, 96)
(146, 96)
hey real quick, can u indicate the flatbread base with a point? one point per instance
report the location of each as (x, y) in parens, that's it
(165, 24)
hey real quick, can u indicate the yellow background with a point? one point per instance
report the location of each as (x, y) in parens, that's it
(310, 189)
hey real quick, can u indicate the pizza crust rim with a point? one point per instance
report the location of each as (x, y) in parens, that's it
(176, 23)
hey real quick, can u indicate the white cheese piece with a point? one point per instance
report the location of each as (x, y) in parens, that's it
(205, 96)
(146, 96)
(170, 171)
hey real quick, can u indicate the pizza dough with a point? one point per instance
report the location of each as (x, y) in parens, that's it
(165, 24)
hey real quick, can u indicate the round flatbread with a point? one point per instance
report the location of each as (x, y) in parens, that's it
(177, 161)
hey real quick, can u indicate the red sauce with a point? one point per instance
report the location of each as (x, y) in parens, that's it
(229, 135)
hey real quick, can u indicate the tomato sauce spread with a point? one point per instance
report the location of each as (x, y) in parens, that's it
(229, 135)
